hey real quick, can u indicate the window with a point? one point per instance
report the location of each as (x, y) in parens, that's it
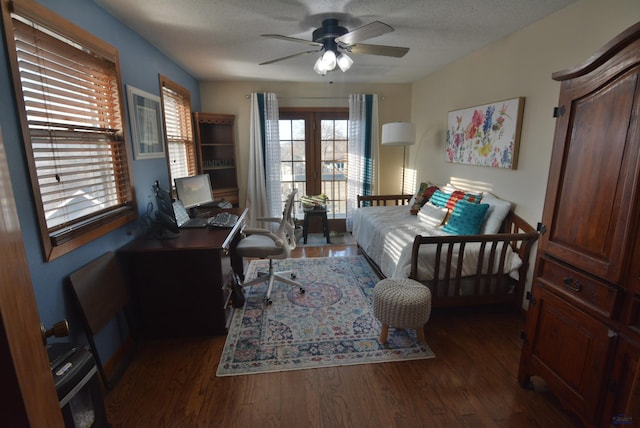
(176, 103)
(314, 155)
(67, 84)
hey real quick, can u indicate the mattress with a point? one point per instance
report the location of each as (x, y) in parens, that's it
(386, 235)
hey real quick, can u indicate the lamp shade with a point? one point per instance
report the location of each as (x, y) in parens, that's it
(344, 62)
(398, 134)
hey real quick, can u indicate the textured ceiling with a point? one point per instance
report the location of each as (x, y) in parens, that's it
(220, 39)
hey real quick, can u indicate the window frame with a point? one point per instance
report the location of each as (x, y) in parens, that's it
(83, 230)
(191, 161)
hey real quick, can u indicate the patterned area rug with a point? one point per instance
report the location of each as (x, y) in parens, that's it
(319, 240)
(332, 324)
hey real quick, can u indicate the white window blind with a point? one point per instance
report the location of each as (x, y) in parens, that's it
(176, 103)
(71, 96)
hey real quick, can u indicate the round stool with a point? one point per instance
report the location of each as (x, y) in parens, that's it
(402, 303)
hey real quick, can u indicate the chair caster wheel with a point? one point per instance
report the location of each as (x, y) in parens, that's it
(269, 302)
(294, 276)
(302, 290)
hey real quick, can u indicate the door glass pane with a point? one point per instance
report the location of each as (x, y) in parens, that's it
(293, 158)
(334, 165)
(298, 150)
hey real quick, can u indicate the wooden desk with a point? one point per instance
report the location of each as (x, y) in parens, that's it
(181, 284)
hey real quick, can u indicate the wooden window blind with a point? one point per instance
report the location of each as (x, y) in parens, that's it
(79, 161)
(176, 104)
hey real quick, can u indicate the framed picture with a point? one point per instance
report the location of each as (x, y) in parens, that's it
(486, 135)
(145, 116)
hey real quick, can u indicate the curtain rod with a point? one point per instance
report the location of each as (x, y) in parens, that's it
(313, 98)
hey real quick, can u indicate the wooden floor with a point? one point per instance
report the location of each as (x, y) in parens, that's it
(470, 383)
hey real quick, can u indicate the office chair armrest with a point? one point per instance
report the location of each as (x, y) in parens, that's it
(253, 231)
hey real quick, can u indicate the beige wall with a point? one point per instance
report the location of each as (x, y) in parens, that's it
(231, 98)
(519, 65)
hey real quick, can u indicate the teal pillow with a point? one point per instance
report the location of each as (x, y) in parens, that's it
(440, 199)
(466, 218)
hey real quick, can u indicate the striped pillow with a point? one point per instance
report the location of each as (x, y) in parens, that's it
(454, 198)
(440, 198)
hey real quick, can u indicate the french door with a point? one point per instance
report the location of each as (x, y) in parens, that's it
(313, 145)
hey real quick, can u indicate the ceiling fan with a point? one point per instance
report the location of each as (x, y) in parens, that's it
(335, 41)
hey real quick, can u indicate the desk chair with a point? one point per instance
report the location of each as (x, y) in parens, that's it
(265, 244)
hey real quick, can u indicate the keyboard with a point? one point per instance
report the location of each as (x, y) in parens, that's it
(223, 219)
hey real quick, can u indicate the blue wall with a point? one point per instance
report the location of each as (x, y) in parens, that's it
(140, 64)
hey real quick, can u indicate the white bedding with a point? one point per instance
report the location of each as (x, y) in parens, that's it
(386, 234)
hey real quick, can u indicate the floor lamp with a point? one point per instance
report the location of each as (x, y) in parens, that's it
(399, 134)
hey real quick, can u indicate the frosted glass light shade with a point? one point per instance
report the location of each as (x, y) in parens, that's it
(329, 60)
(344, 62)
(319, 67)
(398, 134)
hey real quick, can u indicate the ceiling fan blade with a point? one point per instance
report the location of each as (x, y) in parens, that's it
(394, 51)
(292, 39)
(373, 29)
(289, 56)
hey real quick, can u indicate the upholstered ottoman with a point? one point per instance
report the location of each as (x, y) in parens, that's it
(402, 303)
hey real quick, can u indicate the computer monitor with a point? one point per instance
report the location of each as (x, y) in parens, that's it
(194, 191)
(164, 214)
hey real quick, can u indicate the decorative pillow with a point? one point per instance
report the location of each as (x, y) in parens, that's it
(429, 191)
(421, 197)
(473, 197)
(440, 198)
(498, 210)
(457, 194)
(420, 190)
(466, 218)
(454, 198)
(432, 215)
(415, 202)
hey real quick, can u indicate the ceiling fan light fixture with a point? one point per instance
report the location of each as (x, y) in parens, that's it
(344, 62)
(329, 59)
(319, 67)
(333, 39)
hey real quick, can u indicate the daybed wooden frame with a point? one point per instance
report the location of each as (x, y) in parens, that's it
(480, 288)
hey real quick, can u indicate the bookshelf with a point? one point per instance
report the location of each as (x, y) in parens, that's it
(215, 142)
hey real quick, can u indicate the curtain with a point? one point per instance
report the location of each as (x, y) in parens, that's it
(263, 181)
(362, 150)
(271, 144)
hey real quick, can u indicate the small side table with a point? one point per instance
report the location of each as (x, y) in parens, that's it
(325, 223)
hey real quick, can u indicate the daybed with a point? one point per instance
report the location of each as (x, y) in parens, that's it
(454, 265)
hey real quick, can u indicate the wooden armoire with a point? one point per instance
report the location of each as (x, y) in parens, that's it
(582, 335)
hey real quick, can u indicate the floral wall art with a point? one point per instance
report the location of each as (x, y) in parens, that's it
(486, 135)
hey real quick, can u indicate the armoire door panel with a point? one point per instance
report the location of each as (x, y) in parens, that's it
(622, 406)
(589, 213)
(570, 352)
(632, 281)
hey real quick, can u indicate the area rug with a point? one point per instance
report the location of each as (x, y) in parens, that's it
(319, 240)
(332, 324)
